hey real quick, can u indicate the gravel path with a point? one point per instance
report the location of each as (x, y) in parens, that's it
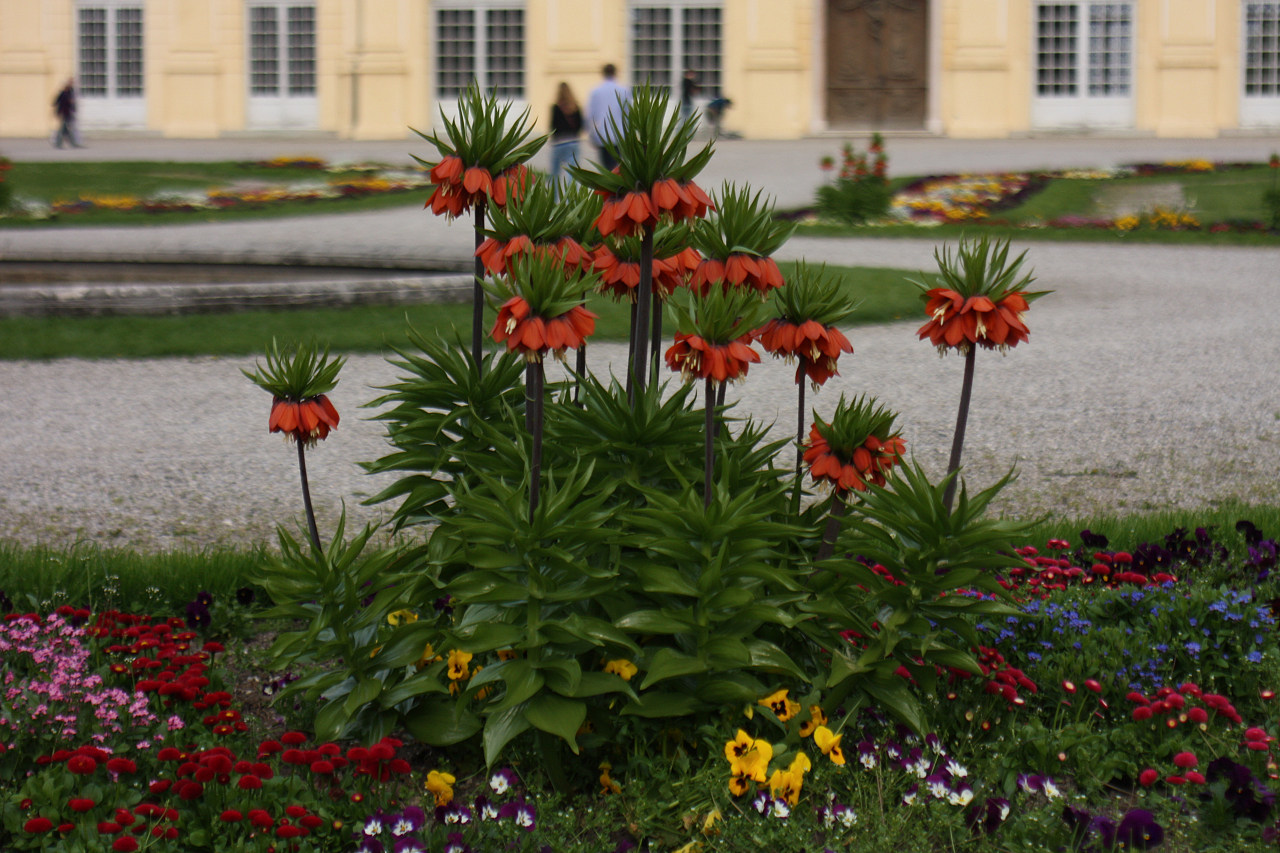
(1150, 381)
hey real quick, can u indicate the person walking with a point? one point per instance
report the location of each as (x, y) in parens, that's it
(688, 88)
(65, 107)
(566, 127)
(605, 109)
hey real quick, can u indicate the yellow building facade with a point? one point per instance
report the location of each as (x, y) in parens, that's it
(369, 69)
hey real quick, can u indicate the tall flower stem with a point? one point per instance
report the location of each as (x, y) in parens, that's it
(962, 419)
(535, 383)
(710, 409)
(477, 298)
(306, 500)
(580, 368)
(799, 485)
(656, 350)
(644, 294)
(833, 527)
(631, 355)
(719, 397)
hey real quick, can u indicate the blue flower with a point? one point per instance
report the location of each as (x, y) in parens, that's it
(1076, 646)
(1254, 657)
(1192, 622)
(1218, 607)
(1192, 647)
(1162, 648)
(1034, 655)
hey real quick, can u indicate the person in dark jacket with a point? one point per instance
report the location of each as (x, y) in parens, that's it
(566, 127)
(688, 88)
(65, 107)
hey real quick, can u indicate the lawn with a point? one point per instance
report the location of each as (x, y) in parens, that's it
(884, 298)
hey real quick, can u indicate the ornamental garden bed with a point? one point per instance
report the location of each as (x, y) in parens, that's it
(608, 619)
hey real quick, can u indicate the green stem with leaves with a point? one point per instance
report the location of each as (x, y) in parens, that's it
(832, 532)
(962, 419)
(534, 383)
(799, 481)
(710, 407)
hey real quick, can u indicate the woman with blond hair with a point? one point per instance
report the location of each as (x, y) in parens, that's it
(566, 127)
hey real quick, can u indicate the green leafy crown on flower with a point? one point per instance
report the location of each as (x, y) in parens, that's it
(296, 375)
(651, 144)
(538, 215)
(668, 239)
(719, 317)
(481, 136)
(979, 268)
(542, 282)
(742, 224)
(853, 422)
(814, 294)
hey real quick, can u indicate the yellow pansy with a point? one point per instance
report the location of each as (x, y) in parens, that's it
(426, 657)
(829, 744)
(459, 664)
(785, 785)
(508, 654)
(709, 825)
(816, 718)
(402, 617)
(607, 785)
(622, 668)
(739, 786)
(800, 764)
(441, 786)
(748, 757)
(782, 707)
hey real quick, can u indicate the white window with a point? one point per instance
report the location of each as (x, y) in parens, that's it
(282, 64)
(109, 54)
(1084, 65)
(481, 44)
(1260, 104)
(668, 40)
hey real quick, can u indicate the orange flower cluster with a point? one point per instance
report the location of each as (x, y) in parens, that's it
(816, 346)
(497, 255)
(308, 421)
(868, 464)
(738, 271)
(959, 323)
(533, 336)
(695, 358)
(621, 278)
(626, 214)
(458, 188)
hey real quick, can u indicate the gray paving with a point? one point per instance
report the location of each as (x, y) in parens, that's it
(1149, 382)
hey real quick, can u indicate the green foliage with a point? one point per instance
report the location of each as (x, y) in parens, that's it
(979, 268)
(483, 135)
(1271, 201)
(853, 202)
(720, 316)
(852, 423)
(342, 597)
(441, 414)
(550, 289)
(6, 188)
(813, 294)
(651, 145)
(298, 375)
(540, 215)
(741, 224)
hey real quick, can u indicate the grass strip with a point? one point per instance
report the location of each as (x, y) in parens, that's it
(42, 578)
(884, 296)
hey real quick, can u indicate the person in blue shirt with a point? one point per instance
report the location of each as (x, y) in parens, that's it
(605, 109)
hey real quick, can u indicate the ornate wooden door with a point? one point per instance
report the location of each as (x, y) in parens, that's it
(877, 64)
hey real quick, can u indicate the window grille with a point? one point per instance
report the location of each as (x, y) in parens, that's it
(495, 64)
(700, 48)
(93, 53)
(1262, 49)
(651, 59)
(1056, 49)
(302, 50)
(264, 51)
(128, 53)
(1110, 44)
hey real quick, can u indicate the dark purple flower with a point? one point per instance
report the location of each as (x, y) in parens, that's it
(409, 844)
(1093, 540)
(524, 814)
(1252, 535)
(455, 844)
(205, 597)
(1138, 830)
(198, 615)
(370, 845)
(485, 808)
(502, 781)
(245, 595)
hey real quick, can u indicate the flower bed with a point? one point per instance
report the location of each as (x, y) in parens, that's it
(349, 180)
